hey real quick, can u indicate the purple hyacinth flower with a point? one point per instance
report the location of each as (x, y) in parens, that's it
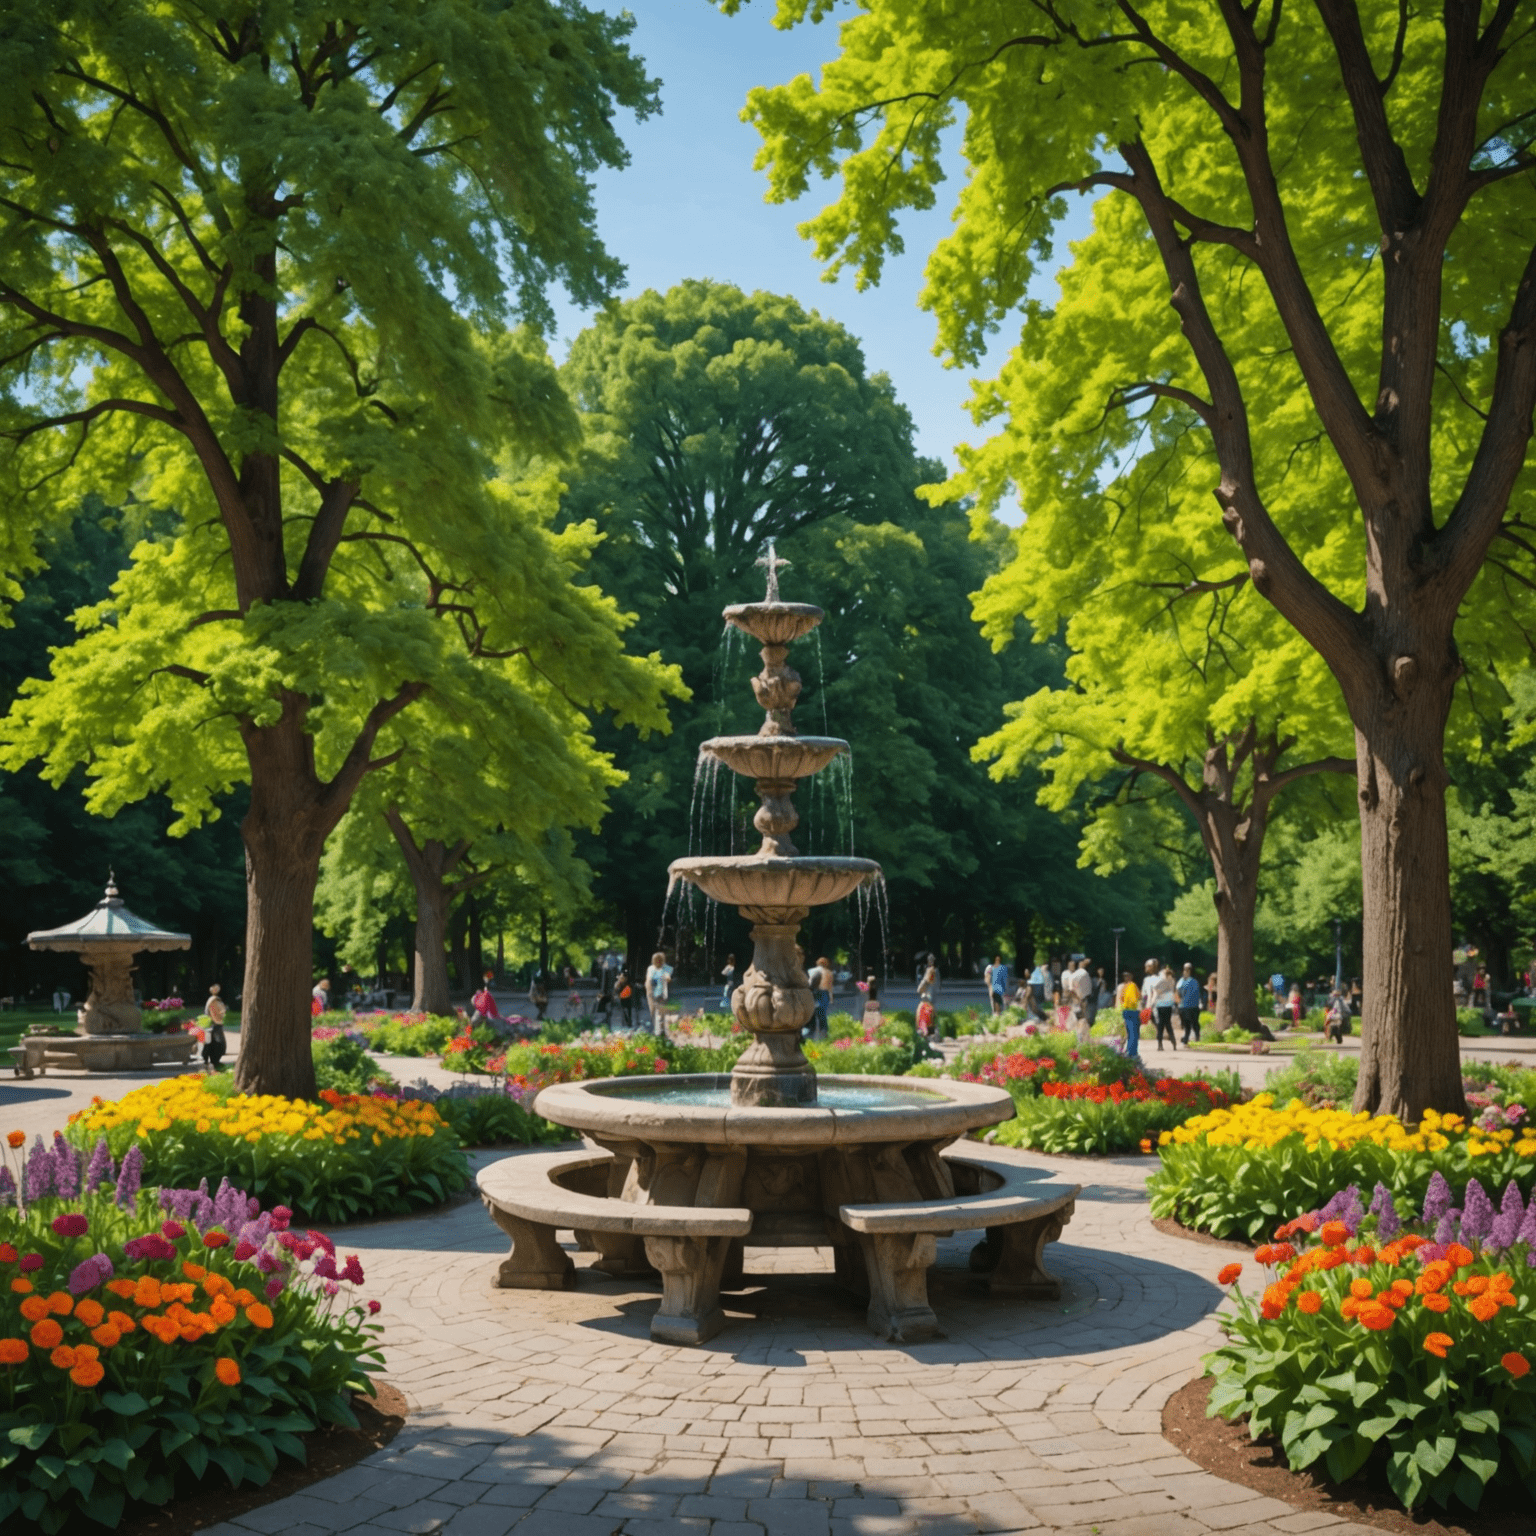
(1506, 1226)
(1437, 1199)
(100, 1170)
(129, 1177)
(7, 1187)
(1445, 1228)
(37, 1176)
(1477, 1215)
(66, 1168)
(96, 1270)
(1388, 1222)
(1527, 1232)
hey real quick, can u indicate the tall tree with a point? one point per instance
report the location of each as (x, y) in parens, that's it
(480, 777)
(256, 267)
(1256, 159)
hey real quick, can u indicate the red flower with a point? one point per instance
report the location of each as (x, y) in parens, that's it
(1229, 1273)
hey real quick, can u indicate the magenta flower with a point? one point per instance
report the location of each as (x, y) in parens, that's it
(325, 1267)
(281, 1216)
(173, 1230)
(244, 1250)
(374, 1306)
(96, 1270)
(31, 1261)
(353, 1272)
(274, 1287)
(70, 1224)
(151, 1246)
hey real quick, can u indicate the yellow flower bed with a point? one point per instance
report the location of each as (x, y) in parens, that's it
(344, 1157)
(1258, 1125)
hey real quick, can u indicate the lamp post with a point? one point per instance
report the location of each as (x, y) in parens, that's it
(1338, 955)
(1117, 932)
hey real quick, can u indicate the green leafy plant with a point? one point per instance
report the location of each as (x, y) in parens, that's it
(1318, 1078)
(137, 1353)
(496, 1119)
(344, 1066)
(1093, 1119)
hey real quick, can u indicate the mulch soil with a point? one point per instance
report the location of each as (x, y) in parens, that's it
(329, 1451)
(1178, 1229)
(1226, 1449)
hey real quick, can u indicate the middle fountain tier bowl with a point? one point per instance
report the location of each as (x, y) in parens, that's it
(774, 757)
(768, 883)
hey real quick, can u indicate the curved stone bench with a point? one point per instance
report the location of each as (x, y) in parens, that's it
(1019, 1213)
(532, 1197)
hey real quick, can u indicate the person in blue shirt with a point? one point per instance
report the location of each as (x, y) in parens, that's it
(999, 984)
(1039, 980)
(1187, 990)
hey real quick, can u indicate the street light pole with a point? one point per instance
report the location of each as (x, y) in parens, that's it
(1117, 932)
(1338, 955)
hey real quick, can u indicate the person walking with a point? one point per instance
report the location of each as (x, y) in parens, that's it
(320, 998)
(822, 977)
(928, 985)
(1157, 995)
(728, 982)
(1187, 994)
(214, 1045)
(658, 986)
(625, 991)
(997, 982)
(1128, 1000)
(538, 995)
(1039, 980)
(1073, 980)
(986, 985)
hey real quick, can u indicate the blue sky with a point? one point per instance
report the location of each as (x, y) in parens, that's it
(690, 204)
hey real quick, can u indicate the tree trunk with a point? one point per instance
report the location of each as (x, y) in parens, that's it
(281, 870)
(1236, 999)
(430, 990)
(1410, 1055)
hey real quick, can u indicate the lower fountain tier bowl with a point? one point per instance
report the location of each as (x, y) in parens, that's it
(774, 757)
(848, 1111)
(753, 880)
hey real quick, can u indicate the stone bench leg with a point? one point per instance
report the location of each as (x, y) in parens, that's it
(897, 1265)
(537, 1262)
(623, 1256)
(1012, 1257)
(691, 1267)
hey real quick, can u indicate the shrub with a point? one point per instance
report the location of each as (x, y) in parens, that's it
(1023, 1064)
(1102, 1119)
(1236, 1172)
(1320, 1079)
(1412, 1345)
(495, 1119)
(881, 1059)
(407, 1034)
(344, 1065)
(1470, 1021)
(146, 1336)
(344, 1158)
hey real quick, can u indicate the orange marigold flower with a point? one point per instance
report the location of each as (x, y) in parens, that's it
(47, 1334)
(1517, 1365)
(1404, 1288)
(90, 1311)
(227, 1370)
(1459, 1257)
(165, 1329)
(61, 1303)
(86, 1352)
(35, 1308)
(122, 1322)
(1330, 1258)
(1436, 1301)
(1376, 1317)
(192, 1271)
(1411, 1242)
(21, 1285)
(147, 1292)
(1283, 1253)
(106, 1335)
(87, 1373)
(1391, 1297)
(1229, 1273)
(16, 1139)
(12, 1351)
(261, 1314)
(1334, 1234)
(218, 1285)
(242, 1297)
(1361, 1288)
(1483, 1308)
(1270, 1311)
(1392, 1253)
(123, 1287)
(1146, 1143)
(63, 1357)
(1438, 1343)
(1364, 1254)
(1475, 1286)
(222, 1311)
(1434, 1277)
(1264, 1254)
(1277, 1294)
(1502, 1281)
(1309, 1302)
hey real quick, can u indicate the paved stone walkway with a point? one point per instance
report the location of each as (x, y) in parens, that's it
(553, 1414)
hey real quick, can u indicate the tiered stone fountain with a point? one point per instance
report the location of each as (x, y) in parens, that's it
(701, 1166)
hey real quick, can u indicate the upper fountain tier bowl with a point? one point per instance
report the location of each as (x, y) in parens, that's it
(752, 880)
(775, 757)
(775, 623)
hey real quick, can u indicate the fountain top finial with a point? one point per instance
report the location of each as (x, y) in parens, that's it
(772, 561)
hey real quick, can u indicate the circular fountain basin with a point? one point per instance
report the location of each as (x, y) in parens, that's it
(755, 880)
(774, 757)
(850, 1110)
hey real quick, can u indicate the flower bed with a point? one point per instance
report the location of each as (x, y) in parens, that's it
(1375, 1339)
(1098, 1118)
(148, 1336)
(1237, 1171)
(347, 1157)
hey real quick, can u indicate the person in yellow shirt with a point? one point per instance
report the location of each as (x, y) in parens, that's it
(1128, 1000)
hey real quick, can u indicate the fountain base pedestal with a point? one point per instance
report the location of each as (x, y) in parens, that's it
(774, 1001)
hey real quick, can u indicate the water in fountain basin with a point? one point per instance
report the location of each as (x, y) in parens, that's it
(715, 1093)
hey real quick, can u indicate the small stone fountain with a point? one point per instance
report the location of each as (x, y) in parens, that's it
(775, 888)
(682, 1172)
